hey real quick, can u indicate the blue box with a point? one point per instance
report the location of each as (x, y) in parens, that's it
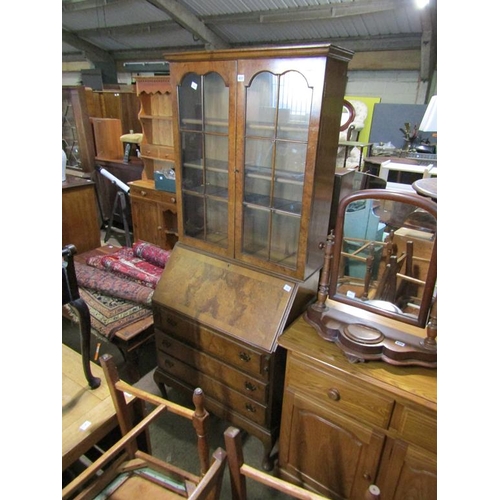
(164, 183)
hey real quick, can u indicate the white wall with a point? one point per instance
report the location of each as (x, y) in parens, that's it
(393, 87)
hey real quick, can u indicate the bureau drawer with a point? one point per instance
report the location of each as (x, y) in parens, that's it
(240, 381)
(337, 394)
(238, 355)
(418, 426)
(152, 194)
(229, 398)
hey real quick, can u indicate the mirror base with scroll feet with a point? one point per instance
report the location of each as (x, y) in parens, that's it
(364, 339)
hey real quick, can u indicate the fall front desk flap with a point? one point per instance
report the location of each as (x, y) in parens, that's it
(245, 303)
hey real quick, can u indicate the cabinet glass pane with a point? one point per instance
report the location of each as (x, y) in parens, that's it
(190, 93)
(295, 99)
(204, 114)
(216, 104)
(271, 236)
(277, 124)
(262, 100)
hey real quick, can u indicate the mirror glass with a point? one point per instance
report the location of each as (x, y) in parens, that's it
(347, 116)
(385, 254)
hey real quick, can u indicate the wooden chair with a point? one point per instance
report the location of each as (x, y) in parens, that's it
(239, 471)
(124, 472)
(71, 296)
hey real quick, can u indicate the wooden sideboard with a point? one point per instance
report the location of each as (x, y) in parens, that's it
(80, 216)
(346, 426)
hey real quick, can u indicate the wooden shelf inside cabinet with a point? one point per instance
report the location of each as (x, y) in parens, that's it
(154, 214)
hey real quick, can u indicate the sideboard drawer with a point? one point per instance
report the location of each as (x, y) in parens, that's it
(220, 391)
(337, 394)
(241, 356)
(236, 379)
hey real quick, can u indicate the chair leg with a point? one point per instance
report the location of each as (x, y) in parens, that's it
(83, 313)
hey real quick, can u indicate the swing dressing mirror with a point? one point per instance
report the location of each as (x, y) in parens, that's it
(382, 259)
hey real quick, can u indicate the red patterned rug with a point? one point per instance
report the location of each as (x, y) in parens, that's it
(109, 314)
(112, 285)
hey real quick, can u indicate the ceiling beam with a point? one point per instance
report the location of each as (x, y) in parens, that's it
(92, 52)
(191, 23)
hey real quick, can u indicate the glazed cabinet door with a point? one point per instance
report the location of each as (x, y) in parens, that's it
(333, 454)
(278, 110)
(205, 153)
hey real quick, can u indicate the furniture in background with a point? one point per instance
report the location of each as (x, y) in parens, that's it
(346, 426)
(154, 211)
(81, 220)
(77, 136)
(107, 132)
(71, 297)
(253, 160)
(127, 471)
(154, 214)
(350, 152)
(155, 116)
(426, 187)
(353, 153)
(121, 104)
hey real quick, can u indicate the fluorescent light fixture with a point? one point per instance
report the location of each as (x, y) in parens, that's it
(421, 3)
(145, 64)
(429, 121)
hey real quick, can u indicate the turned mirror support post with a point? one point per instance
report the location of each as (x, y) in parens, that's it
(324, 279)
(430, 341)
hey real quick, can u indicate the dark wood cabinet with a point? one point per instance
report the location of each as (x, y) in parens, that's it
(80, 215)
(77, 136)
(346, 426)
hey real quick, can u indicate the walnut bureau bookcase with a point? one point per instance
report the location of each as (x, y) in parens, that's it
(255, 135)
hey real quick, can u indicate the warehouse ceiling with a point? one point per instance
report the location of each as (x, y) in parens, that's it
(121, 31)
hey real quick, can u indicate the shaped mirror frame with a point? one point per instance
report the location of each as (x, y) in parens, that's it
(411, 215)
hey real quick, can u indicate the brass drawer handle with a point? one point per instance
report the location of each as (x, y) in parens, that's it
(245, 357)
(250, 408)
(171, 321)
(143, 193)
(166, 343)
(173, 200)
(334, 394)
(250, 387)
(167, 363)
